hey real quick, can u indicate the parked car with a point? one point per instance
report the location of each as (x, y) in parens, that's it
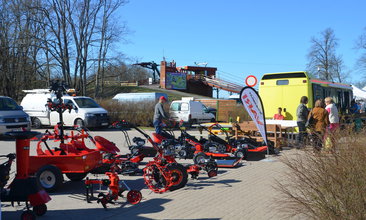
(12, 116)
(85, 110)
(190, 111)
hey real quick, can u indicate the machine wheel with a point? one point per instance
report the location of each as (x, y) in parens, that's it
(28, 215)
(199, 158)
(179, 176)
(134, 197)
(76, 176)
(157, 178)
(40, 210)
(49, 177)
(241, 154)
(79, 122)
(36, 123)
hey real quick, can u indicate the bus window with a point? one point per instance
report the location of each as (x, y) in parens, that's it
(340, 101)
(284, 75)
(318, 92)
(282, 82)
(346, 100)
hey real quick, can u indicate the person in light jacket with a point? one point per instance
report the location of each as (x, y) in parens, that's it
(302, 113)
(333, 114)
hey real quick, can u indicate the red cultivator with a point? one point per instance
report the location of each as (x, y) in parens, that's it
(115, 190)
(24, 187)
(164, 173)
(188, 147)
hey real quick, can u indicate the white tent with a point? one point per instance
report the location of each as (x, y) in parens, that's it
(358, 93)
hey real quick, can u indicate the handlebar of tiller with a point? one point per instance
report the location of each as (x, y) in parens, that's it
(125, 125)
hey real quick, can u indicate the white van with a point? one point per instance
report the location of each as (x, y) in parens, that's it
(190, 111)
(85, 112)
(12, 117)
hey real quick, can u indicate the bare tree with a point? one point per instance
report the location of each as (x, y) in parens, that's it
(361, 45)
(19, 68)
(323, 60)
(108, 31)
(41, 39)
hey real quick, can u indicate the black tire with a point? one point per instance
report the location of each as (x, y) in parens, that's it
(76, 176)
(179, 176)
(36, 123)
(213, 120)
(197, 158)
(49, 177)
(28, 215)
(40, 210)
(79, 122)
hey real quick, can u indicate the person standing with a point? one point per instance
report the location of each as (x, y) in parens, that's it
(320, 122)
(159, 114)
(302, 113)
(333, 114)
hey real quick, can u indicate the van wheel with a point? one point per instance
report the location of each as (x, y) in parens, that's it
(36, 123)
(79, 122)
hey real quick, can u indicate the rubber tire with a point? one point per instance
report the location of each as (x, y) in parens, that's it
(79, 122)
(76, 176)
(40, 210)
(179, 169)
(36, 123)
(197, 157)
(28, 215)
(59, 179)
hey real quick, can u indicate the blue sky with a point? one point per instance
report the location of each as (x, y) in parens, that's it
(240, 38)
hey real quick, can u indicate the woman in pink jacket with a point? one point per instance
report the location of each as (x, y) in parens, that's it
(333, 114)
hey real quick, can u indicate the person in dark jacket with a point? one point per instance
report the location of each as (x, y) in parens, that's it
(302, 113)
(159, 114)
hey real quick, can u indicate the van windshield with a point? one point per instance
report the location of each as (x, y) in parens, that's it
(86, 103)
(8, 104)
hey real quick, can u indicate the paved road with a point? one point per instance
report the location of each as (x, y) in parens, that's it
(245, 192)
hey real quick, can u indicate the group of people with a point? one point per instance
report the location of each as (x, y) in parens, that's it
(357, 107)
(322, 119)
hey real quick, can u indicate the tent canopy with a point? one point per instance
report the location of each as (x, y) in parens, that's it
(359, 94)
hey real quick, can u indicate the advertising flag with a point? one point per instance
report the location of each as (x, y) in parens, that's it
(254, 106)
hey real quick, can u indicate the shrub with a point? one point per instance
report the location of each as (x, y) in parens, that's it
(327, 185)
(139, 113)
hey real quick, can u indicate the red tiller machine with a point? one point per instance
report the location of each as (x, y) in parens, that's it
(198, 151)
(163, 173)
(115, 189)
(72, 158)
(24, 187)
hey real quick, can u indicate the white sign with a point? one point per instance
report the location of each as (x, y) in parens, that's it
(253, 104)
(251, 81)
